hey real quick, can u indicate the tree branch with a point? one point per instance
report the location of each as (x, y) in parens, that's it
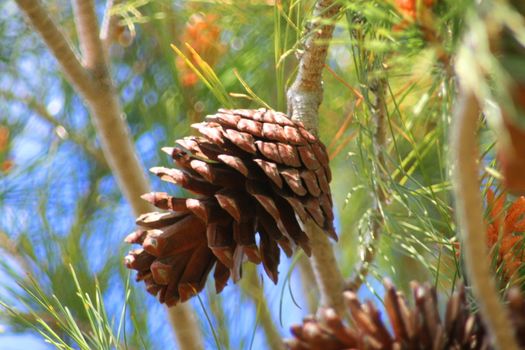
(87, 29)
(308, 283)
(469, 211)
(306, 93)
(326, 270)
(304, 97)
(255, 291)
(57, 43)
(109, 23)
(108, 118)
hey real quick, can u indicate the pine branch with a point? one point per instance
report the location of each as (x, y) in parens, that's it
(101, 98)
(109, 24)
(256, 293)
(57, 43)
(306, 93)
(379, 145)
(310, 289)
(469, 211)
(185, 327)
(304, 97)
(9, 246)
(87, 29)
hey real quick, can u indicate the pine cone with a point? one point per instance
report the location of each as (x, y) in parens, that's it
(255, 172)
(419, 327)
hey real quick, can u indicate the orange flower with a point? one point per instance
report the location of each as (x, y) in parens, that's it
(6, 165)
(410, 5)
(4, 137)
(189, 79)
(505, 232)
(408, 8)
(203, 35)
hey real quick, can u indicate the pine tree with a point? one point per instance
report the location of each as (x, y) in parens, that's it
(341, 150)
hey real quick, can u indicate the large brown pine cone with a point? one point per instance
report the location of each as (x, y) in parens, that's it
(418, 327)
(255, 172)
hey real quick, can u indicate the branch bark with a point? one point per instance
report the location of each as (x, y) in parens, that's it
(308, 283)
(57, 43)
(87, 29)
(94, 84)
(306, 93)
(255, 291)
(304, 98)
(109, 24)
(469, 211)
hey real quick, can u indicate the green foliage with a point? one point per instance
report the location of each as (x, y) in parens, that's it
(60, 328)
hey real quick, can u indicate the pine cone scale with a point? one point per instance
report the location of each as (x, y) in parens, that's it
(156, 220)
(251, 127)
(270, 255)
(293, 178)
(221, 275)
(164, 201)
(243, 140)
(232, 203)
(310, 180)
(289, 155)
(160, 242)
(271, 170)
(235, 163)
(270, 151)
(194, 275)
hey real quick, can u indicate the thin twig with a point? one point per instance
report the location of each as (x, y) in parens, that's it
(377, 221)
(109, 24)
(87, 29)
(255, 291)
(304, 97)
(469, 211)
(43, 113)
(57, 42)
(96, 87)
(310, 289)
(10, 247)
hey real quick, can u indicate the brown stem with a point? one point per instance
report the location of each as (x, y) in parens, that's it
(109, 24)
(304, 97)
(469, 211)
(308, 283)
(87, 29)
(94, 84)
(326, 271)
(57, 43)
(306, 93)
(255, 291)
